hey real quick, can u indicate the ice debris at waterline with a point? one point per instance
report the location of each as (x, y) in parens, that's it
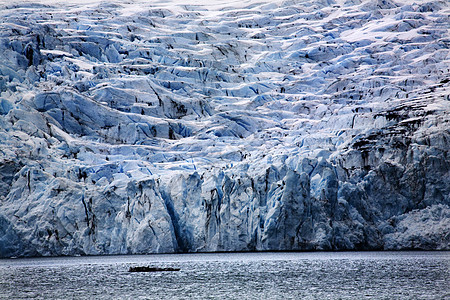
(142, 127)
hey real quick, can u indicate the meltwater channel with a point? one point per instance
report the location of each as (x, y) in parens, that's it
(307, 275)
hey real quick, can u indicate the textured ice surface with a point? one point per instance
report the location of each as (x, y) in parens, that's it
(145, 127)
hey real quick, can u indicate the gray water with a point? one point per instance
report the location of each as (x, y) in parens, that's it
(347, 275)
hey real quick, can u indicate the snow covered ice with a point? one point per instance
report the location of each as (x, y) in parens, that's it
(169, 126)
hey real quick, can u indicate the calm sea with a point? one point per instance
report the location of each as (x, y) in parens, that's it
(343, 275)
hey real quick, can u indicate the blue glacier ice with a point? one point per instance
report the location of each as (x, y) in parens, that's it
(144, 127)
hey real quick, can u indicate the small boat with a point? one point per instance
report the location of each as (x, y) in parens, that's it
(151, 269)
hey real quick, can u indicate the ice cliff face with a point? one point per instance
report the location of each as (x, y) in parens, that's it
(251, 125)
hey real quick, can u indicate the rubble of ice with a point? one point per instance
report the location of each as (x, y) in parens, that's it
(168, 126)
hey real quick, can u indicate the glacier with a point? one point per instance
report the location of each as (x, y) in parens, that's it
(173, 126)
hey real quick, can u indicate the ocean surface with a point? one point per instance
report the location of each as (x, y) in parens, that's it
(310, 275)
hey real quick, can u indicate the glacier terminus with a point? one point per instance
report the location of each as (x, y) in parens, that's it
(134, 127)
